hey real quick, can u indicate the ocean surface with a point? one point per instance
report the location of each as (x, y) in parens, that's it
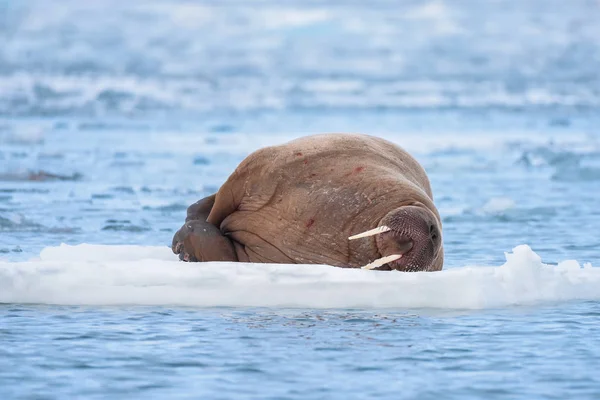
(116, 115)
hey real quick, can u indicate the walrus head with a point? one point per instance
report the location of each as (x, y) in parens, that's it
(408, 238)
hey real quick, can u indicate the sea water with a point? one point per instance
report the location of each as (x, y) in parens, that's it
(115, 116)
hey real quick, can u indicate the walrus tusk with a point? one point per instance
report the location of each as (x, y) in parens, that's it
(382, 261)
(372, 232)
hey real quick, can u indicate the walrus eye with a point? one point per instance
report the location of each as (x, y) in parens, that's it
(372, 232)
(382, 261)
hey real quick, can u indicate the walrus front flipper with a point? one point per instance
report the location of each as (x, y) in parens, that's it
(201, 241)
(200, 209)
(198, 240)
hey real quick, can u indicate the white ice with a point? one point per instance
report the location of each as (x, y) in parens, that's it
(138, 275)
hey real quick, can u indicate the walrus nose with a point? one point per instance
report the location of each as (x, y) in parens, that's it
(433, 233)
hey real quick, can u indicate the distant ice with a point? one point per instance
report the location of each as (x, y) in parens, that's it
(137, 275)
(498, 205)
(293, 56)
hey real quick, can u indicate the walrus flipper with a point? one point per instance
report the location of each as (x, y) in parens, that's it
(199, 240)
(200, 209)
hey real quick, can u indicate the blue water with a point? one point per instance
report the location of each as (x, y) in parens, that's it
(114, 116)
(186, 353)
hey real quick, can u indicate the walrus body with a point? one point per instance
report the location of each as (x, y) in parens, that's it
(300, 201)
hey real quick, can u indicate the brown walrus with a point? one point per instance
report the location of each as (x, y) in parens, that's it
(300, 202)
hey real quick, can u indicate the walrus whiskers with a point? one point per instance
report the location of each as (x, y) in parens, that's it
(372, 232)
(382, 261)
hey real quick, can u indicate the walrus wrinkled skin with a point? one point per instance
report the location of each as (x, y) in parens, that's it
(300, 201)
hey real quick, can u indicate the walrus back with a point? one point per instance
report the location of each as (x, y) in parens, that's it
(348, 150)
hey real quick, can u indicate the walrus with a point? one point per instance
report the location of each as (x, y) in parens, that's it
(346, 200)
